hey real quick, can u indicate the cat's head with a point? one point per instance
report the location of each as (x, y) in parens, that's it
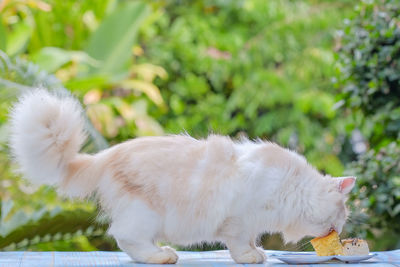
(325, 211)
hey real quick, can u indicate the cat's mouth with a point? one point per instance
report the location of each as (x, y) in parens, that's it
(328, 232)
(333, 228)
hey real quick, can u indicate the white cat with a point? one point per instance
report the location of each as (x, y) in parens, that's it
(175, 188)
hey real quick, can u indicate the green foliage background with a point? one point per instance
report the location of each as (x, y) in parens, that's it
(369, 78)
(279, 70)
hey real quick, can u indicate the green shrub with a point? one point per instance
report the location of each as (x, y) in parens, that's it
(378, 196)
(370, 70)
(369, 79)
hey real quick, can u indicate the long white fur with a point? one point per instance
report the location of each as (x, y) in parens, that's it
(175, 188)
(47, 133)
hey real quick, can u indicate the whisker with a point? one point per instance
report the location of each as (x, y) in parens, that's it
(306, 245)
(360, 217)
(300, 246)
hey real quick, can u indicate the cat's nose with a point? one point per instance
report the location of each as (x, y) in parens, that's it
(336, 229)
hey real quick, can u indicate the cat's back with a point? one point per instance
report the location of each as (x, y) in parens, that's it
(156, 150)
(172, 157)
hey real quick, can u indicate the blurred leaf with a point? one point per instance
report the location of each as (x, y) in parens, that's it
(84, 84)
(102, 118)
(146, 125)
(51, 59)
(127, 112)
(18, 38)
(148, 88)
(149, 71)
(112, 42)
(6, 206)
(3, 36)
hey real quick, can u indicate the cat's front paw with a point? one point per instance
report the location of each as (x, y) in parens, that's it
(252, 256)
(167, 255)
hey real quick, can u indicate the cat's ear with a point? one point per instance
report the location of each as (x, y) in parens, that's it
(346, 184)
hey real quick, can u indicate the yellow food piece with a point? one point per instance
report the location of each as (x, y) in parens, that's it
(328, 245)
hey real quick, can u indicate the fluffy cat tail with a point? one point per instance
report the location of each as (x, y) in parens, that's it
(47, 132)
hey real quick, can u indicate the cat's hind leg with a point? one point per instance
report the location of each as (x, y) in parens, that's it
(136, 228)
